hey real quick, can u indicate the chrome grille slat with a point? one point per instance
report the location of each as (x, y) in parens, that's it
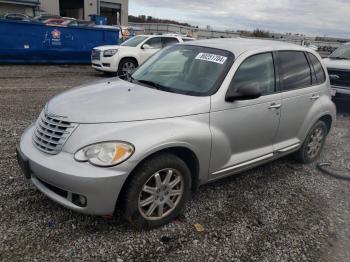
(43, 145)
(44, 131)
(43, 149)
(48, 140)
(52, 129)
(51, 133)
(58, 123)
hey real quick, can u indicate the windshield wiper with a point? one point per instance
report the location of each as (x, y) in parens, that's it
(163, 88)
(152, 84)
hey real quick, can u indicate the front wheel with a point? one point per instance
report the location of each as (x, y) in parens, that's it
(157, 191)
(126, 67)
(313, 143)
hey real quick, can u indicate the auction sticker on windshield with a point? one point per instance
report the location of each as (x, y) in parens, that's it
(211, 58)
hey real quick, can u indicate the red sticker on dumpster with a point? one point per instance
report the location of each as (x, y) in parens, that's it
(56, 34)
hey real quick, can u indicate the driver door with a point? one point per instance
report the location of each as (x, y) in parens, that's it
(149, 48)
(243, 132)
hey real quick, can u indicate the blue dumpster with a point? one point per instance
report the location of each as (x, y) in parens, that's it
(30, 42)
(99, 20)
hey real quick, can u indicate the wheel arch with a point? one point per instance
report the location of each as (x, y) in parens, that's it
(129, 57)
(184, 153)
(328, 120)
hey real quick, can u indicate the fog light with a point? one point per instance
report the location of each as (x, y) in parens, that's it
(106, 64)
(79, 200)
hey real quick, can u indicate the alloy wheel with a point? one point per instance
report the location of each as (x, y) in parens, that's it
(128, 68)
(161, 194)
(315, 143)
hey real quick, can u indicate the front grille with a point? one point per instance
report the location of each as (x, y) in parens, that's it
(343, 77)
(95, 54)
(51, 133)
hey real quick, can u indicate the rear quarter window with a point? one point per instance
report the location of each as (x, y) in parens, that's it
(168, 41)
(320, 74)
(295, 70)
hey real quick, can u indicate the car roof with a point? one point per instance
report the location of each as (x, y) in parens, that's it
(240, 45)
(173, 36)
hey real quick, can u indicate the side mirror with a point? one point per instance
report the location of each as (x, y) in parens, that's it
(146, 46)
(243, 93)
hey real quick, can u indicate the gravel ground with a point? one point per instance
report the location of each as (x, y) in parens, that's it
(282, 211)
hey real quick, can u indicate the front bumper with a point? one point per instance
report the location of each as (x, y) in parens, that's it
(106, 64)
(61, 178)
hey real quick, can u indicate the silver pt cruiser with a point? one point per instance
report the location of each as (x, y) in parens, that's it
(191, 114)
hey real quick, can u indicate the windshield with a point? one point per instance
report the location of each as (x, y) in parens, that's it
(342, 52)
(135, 41)
(186, 69)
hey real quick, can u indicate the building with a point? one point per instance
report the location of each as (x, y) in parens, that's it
(116, 11)
(27, 7)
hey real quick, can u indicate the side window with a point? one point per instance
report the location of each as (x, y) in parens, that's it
(167, 41)
(320, 74)
(257, 70)
(155, 42)
(296, 72)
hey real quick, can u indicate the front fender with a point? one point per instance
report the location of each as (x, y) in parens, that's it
(151, 136)
(130, 55)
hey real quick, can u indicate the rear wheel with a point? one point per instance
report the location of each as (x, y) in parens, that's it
(157, 191)
(126, 66)
(313, 143)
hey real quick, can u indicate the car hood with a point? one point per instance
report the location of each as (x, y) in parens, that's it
(118, 47)
(111, 101)
(107, 47)
(337, 63)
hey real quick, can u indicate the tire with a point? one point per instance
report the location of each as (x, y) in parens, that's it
(313, 144)
(139, 212)
(126, 65)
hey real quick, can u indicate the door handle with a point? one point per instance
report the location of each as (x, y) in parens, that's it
(314, 97)
(275, 106)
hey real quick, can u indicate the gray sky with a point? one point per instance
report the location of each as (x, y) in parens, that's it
(312, 17)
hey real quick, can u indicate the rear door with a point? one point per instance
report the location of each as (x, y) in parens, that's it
(299, 90)
(169, 41)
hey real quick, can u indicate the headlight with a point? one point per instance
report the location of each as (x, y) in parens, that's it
(110, 52)
(105, 154)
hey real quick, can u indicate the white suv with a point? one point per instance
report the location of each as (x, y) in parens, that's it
(124, 58)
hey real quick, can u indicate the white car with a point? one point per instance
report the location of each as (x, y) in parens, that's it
(123, 59)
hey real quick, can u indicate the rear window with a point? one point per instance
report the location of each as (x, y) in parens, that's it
(296, 72)
(320, 74)
(167, 41)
